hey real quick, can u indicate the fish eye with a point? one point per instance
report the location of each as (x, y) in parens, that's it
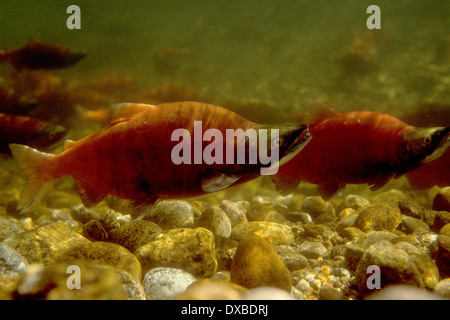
(277, 142)
(426, 140)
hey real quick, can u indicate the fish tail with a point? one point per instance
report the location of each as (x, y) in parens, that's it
(38, 183)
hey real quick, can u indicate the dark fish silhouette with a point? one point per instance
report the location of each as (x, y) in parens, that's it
(40, 55)
(30, 131)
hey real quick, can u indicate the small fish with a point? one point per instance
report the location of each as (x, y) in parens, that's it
(132, 157)
(435, 173)
(40, 55)
(359, 148)
(30, 131)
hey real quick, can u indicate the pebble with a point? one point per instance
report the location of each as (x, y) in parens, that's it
(207, 289)
(275, 233)
(104, 253)
(234, 211)
(403, 292)
(12, 265)
(50, 282)
(315, 206)
(441, 201)
(413, 225)
(412, 209)
(354, 202)
(172, 214)
(378, 216)
(135, 234)
(8, 227)
(166, 283)
(189, 249)
(396, 267)
(443, 255)
(256, 264)
(43, 244)
(442, 218)
(312, 250)
(266, 293)
(442, 288)
(215, 220)
(94, 231)
(291, 257)
(264, 212)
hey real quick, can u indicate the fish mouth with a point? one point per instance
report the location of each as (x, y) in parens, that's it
(302, 136)
(442, 138)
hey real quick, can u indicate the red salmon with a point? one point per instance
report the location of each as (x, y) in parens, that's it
(34, 132)
(39, 55)
(359, 148)
(132, 157)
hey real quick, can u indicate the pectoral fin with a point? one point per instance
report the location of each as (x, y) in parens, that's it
(89, 195)
(329, 189)
(284, 184)
(218, 181)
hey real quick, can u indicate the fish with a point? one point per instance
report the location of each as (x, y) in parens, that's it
(40, 55)
(27, 130)
(435, 173)
(360, 147)
(133, 157)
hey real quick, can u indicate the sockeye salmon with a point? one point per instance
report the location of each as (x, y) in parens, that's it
(27, 130)
(359, 148)
(133, 157)
(39, 55)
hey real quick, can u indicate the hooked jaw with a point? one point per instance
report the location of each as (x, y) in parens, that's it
(299, 139)
(423, 145)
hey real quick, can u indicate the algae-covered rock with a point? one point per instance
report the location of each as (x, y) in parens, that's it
(12, 265)
(215, 220)
(441, 201)
(256, 264)
(379, 216)
(316, 206)
(234, 211)
(396, 267)
(135, 234)
(69, 281)
(43, 244)
(172, 214)
(191, 250)
(275, 233)
(94, 231)
(9, 226)
(104, 253)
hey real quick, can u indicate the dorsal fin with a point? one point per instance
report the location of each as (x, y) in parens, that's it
(125, 111)
(68, 144)
(319, 111)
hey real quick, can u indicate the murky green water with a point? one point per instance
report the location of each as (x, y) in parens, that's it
(279, 52)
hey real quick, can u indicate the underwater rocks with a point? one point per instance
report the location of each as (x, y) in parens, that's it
(397, 266)
(189, 249)
(165, 283)
(256, 264)
(441, 201)
(295, 247)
